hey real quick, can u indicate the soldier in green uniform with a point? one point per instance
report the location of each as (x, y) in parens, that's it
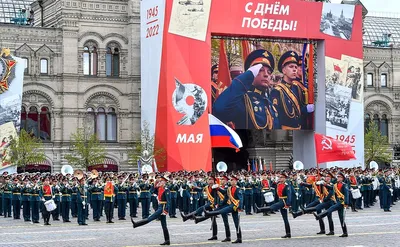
(25, 197)
(95, 191)
(65, 200)
(342, 201)
(248, 194)
(285, 95)
(7, 197)
(161, 212)
(81, 200)
(145, 196)
(45, 194)
(174, 189)
(74, 209)
(57, 199)
(35, 199)
(122, 198)
(234, 202)
(16, 199)
(133, 190)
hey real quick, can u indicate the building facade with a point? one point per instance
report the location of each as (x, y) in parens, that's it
(81, 71)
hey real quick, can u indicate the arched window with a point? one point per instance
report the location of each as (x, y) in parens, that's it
(384, 125)
(32, 121)
(25, 61)
(370, 80)
(45, 124)
(90, 59)
(111, 125)
(367, 122)
(376, 120)
(112, 60)
(104, 123)
(101, 124)
(23, 118)
(383, 80)
(44, 66)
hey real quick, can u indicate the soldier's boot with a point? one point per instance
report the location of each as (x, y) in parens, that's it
(166, 237)
(321, 215)
(139, 223)
(187, 216)
(297, 214)
(239, 237)
(309, 210)
(261, 210)
(227, 234)
(287, 229)
(344, 228)
(210, 213)
(198, 219)
(321, 227)
(331, 228)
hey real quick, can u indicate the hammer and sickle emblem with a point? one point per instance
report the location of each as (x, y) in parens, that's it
(326, 144)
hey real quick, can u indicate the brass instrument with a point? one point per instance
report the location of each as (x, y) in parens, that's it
(152, 177)
(94, 174)
(78, 174)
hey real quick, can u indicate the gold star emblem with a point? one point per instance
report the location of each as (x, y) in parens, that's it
(265, 54)
(292, 54)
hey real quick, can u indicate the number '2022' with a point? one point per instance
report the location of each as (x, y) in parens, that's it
(152, 31)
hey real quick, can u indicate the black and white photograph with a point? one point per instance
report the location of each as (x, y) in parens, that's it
(338, 100)
(354, 75)
(10, 110)
(337, 20)
(190, 100)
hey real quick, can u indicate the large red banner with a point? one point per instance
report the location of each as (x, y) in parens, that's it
(184, 92)
(329, 149)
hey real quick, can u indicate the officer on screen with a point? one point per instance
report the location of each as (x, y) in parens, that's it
(285, 95)
(245, 102)
(302, 92)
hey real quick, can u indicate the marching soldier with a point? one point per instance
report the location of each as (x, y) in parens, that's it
(245, 101)
(387, 191)
(96, 198)
(211, 192)
(145, 196)
(46, 195)
(161, 212)
(173, 189)
(284, 193)
(56, 194)
(7, 197)
(342, 200)
(121, 198)
(133, 190)
(234, 201)
(16, 199)
(35, 200)
(74, 209)
(109, 191)
(285, 96)
(65, 200)
(25, 196)
(81, 200)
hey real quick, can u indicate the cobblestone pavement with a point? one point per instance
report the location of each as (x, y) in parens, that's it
(370, 227)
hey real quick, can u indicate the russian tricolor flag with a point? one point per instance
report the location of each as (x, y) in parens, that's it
(223, 136)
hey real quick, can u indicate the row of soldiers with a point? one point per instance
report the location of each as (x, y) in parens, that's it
(72, 195)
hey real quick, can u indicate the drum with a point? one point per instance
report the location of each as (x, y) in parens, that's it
(356, 193)
(50, 205)
(269, 197)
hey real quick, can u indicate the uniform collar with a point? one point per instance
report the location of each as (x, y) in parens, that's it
(258, 91)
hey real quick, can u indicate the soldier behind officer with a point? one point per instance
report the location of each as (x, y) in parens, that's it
(285, 96)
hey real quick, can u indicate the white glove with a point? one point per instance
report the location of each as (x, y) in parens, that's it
(215, 186)
(255, 69)
(83, 203)
(310, 108)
